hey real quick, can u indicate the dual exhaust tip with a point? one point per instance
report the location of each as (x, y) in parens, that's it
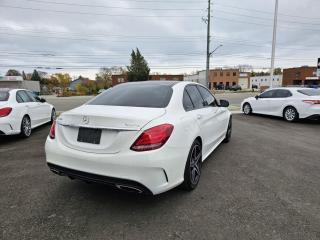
(121, 187)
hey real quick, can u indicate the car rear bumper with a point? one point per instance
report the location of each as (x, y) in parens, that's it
(150, 172)
(119, 183)
(6, 128)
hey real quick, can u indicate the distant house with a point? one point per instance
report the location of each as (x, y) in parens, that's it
(18, 82)
(81, 80)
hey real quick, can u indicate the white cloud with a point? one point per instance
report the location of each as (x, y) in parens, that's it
(93, 40)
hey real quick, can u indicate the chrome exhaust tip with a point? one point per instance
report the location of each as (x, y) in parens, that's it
(129, 189)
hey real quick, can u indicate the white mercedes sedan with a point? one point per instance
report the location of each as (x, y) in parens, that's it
(142, 137)
(21, 111)
(290, 103)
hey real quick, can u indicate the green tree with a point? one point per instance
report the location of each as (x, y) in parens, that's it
(64, 81)
(138, 69)
(277, 71)
(13, 72)
(35, 76)
(104, 78)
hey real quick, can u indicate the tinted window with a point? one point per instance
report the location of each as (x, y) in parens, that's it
(207, 96)
(195, 96)
(32, 96)
(268, 94)
(4, 96)
(135, 95)
(282, 93)
(310, 92)
(187, 104)
(22, 97)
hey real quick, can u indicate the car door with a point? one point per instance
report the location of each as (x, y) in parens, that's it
(205, 117)
(43, 107)
(218, 117)
(278, 100)
(261, 104)
(32, 106)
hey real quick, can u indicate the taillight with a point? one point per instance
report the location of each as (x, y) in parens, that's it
(153, 138)
(52, 133)
(5, 111)
(312, 101)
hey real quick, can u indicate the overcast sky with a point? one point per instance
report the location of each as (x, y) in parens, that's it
(81, 36)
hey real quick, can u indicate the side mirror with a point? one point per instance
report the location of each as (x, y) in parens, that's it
(257, 97)
(224, 103)
(42, 100)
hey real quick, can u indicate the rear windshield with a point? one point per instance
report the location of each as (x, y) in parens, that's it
(310, 92)
(4, 96)
(135, 95)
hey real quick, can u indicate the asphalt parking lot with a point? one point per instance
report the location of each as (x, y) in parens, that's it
(264, 184)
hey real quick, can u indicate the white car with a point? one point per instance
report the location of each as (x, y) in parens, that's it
(290, 103)
(143, 137)
(21, 111)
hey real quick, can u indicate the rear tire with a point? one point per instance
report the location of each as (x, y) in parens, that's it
(290, 114)
(25, 127)
(247, 109)
(192, 170)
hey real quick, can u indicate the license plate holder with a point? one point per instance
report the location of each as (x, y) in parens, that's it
(89, 135)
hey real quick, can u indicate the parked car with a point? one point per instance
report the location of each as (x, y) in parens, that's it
(289, 103)
(254, 86)
(21, 111)
(143, 137)
(235, 88)
(220, 86)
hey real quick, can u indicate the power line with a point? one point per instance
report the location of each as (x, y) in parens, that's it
(269, 19)
(99, 14)
(230, 42)
(104, 35)
(114, 7)
(265, 12)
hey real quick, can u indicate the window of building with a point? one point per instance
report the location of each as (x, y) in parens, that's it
(228, 74)
(120, 80)
(234, 74)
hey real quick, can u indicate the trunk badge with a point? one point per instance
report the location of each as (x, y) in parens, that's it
(85, 120)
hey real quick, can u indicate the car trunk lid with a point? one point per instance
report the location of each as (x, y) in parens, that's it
(117, 125)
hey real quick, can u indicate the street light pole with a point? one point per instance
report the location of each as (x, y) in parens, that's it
(208, 43)
(274, 43)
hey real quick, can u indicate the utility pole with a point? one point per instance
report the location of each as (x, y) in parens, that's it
(208, 43)
(274, 43)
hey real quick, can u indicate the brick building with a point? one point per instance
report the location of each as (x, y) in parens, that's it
(228, 77)
(304, 75)
(121, 78)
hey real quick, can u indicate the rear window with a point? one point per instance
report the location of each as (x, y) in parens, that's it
(135, 95)
(4, 96)
(310, 92)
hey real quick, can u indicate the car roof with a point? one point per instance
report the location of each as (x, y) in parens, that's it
(153, 82)
(289, 88)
